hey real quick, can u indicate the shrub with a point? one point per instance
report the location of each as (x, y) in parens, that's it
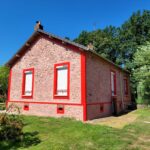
(2, 106)
(11, 125)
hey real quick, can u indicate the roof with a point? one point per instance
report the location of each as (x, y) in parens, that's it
(37, 33)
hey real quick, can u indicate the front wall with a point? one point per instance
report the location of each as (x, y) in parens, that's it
(99, 87)
(42, 56)
(75, 112)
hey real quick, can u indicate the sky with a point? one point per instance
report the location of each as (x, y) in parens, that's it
(65, 18)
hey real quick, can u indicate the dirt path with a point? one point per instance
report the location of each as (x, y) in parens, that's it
(116, 122)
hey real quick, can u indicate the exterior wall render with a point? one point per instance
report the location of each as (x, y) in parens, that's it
(99, 87)
(42, 56)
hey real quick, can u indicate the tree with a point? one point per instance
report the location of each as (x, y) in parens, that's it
(142, 70)
(120, 44)
(133, 33)
(4, 71)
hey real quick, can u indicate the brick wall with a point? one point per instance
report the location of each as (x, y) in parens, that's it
(99, 87)
(42, 56)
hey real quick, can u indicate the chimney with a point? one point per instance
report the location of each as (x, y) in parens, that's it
(90, 46)
(38, 26)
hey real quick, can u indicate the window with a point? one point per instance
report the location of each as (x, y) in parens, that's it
(60, 109)
(125, 86)
(101, 107)
(27, 86)
(26, 107)
(61, 80)
(113, 83)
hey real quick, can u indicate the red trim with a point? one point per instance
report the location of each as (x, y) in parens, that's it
(60, 109)
(26, 107)
(35, 102)
(55, 96)
(125, 86)
(23, 83)
(83, 85)
(115, 83)
(9, 87)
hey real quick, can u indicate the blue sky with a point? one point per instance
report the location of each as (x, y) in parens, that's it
(61, 17)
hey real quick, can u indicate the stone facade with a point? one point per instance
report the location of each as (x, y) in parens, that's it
(42, 56)
(99, 87)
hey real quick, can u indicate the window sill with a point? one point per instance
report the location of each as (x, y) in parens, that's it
(27, 96)
(61, 97)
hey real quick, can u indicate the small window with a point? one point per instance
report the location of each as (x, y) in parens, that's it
(61, 80)
(125, 86)
(113, 83)
(27, 86)
(26, 107)
(101, 107)
(60, 109)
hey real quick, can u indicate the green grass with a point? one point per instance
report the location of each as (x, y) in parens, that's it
(43, 133)
(2, 106)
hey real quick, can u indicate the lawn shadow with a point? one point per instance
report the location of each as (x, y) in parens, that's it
(29, 139)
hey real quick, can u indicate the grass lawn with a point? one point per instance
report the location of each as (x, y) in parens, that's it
(43, 133)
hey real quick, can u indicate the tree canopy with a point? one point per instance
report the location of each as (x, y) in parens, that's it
(119, 44)
(142, 70)
(4, 71)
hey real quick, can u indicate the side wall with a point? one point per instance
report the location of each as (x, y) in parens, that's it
(99, 87)
(42, 56)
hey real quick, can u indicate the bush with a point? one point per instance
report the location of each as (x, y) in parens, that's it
(2, 106)
(11, 126)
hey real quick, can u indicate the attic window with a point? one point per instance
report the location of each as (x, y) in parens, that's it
(60, 109)
(27, 84)
(61, 80)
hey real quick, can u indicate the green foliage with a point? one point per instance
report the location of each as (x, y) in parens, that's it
(104, 41)
(2, 106)
(120, 44)
(4, 72)
(142, 71)
(11, 125)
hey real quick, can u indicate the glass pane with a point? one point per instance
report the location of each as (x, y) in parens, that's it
(28, 83)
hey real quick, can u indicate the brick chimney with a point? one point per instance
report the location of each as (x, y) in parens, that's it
(90, 46)
(38, 26)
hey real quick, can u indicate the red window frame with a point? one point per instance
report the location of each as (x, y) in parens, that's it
(115, 83)
(60, 109)
(26, 107)
(23, 83)
(125, 86)
(55, 96)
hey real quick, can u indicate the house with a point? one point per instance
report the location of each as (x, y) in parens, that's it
(52, 76)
